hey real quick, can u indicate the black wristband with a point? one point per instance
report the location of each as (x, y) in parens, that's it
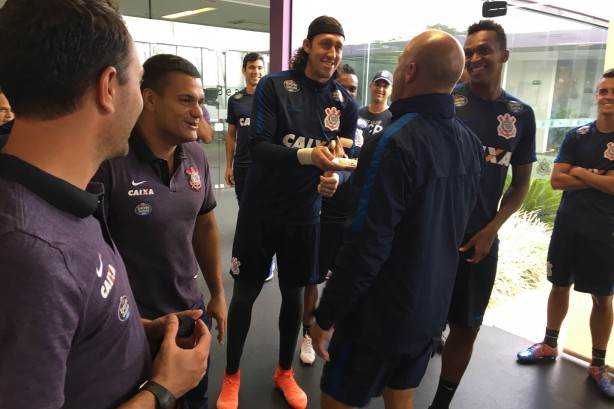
(164, 398)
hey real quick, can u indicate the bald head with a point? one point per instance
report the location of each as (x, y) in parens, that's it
(432, 62)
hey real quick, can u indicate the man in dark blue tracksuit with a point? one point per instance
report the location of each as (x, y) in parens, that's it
(295, 114)
(410, 200)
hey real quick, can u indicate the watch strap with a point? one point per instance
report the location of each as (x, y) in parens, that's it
(164, 398)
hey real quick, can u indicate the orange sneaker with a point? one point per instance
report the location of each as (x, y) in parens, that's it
(295, 396)
(229, 395)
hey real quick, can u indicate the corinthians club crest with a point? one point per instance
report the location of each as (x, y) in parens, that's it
(332, 119)
(609, 152)
(507, 127)
(194, 179)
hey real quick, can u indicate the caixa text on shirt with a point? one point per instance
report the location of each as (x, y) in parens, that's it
(140, 192)
(497, 156)
(295, 141)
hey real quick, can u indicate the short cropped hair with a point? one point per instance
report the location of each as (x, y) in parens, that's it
(346, 69)
(490, 25)
(156, 68)
(58, 49)
(607, 74)
(299, 59)
(249, 57)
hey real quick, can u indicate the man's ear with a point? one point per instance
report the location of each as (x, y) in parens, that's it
(107, 88)
(411, 71)
(149, 99)
(306, 46)
(505, 55)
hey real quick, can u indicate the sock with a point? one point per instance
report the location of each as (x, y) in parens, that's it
(598, 357)
(444, 395)
(551, 338)
(306, 329)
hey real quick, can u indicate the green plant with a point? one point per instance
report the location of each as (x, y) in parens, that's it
(522, 255)
(540, 198)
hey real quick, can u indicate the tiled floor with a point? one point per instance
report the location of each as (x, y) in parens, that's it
(493, 380)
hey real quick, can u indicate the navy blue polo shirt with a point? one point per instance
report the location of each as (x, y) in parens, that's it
(151, 215)
(590, 149)
(506, 127)
(239, 113)
(71, 332)
(410, 199)
(370, 124)
(290, 112)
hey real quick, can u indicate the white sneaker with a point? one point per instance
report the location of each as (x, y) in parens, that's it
(308, 355)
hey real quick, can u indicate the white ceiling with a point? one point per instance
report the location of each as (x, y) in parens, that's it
(238, 14)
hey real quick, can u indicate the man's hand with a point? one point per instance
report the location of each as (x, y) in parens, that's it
(320, 340)
(481, 242)
(322, 158)
(229, 177)
(216, 309)
(328, 184)
(155, 329)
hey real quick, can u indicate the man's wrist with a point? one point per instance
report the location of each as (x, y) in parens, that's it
(164, 398)
(304, 156)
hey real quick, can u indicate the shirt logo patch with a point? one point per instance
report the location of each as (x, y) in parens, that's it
(609, 152)
(238, 95)
(123, 311)
(362, 123)
(332, 119)
(583, 130)
(337, 96)
(515, 107)
(460, 100)
(234, 266)
(359, 139)
(138, 183)
(291, 86)
(143, 209)
(507, 127)
(194, 179)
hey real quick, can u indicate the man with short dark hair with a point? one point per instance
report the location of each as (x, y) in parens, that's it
(410, 199)
(239, 112)
(373, 118)
(159, 203)
(582, 241)
(348, 79)
(295, 113)
(71, 333)
(506, 127)
(6, 112)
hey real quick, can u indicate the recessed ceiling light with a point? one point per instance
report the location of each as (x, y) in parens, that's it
(189, 13)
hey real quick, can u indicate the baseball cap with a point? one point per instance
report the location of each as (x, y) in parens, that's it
(383, 75)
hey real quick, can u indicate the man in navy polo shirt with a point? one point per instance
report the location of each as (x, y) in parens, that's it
(506, 127)
(410, 200)
(582, 242)
(373, 118)
(71, 332)
(239, 113)
(159, 202)
(295, 113)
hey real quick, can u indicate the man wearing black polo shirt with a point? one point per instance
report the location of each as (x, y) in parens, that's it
(71, 333)
(159, 202)
(295, 113)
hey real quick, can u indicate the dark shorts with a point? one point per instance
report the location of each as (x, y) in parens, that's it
(357, 373)
(239, 174)
(331, 235)
(472, 289)
(583, 259)
(257, 240)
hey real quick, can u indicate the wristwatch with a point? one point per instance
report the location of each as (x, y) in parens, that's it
(164, 398)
